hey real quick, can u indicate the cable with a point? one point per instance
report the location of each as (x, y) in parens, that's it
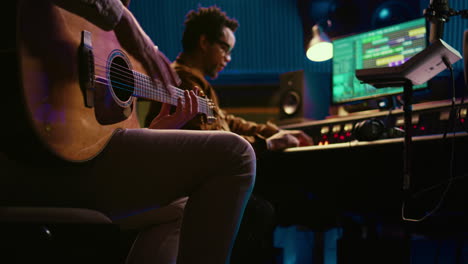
(452, 116)
(450, 181)
(452, 154)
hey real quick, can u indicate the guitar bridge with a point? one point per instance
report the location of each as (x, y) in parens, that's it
(86, 68)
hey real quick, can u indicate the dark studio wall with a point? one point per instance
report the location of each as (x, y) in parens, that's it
(270, 39)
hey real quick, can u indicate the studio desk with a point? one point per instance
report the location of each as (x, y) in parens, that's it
(340, 175)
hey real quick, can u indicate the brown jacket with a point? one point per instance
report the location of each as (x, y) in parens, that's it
(253, 132)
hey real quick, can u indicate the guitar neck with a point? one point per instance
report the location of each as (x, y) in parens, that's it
(155, 91)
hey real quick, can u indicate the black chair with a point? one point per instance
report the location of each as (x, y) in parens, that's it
(57, 235)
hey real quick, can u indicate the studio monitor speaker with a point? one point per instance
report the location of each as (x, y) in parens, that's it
(303, 96)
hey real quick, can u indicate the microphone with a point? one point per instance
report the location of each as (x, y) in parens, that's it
(437, 14)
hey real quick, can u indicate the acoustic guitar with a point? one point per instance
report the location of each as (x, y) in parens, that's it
(79, 85)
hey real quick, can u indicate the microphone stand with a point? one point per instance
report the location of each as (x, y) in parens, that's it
(407, 145)
(443, 16)
(408, 127)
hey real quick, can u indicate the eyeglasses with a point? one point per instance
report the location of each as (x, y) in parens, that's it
(226, 48)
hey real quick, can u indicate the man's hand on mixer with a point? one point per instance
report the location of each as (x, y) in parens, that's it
(288, 139)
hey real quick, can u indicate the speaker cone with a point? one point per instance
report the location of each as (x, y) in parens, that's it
(290, 103)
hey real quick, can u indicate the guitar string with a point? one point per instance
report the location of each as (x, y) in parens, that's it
(123, 80)
(205, 103)
(124, 72)
(203, 106)
(147, 85)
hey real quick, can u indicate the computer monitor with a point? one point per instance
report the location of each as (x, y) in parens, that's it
(384, 47)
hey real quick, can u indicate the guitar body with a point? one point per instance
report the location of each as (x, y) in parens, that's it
(48, 41)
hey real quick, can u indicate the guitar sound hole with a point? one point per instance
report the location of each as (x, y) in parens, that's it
(122, 80)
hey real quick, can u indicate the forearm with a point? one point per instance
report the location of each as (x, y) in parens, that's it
(241, 126)
(105, 14)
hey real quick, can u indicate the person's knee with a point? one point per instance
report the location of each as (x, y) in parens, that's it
(236, 143)
(241, 150)
(237, 155)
